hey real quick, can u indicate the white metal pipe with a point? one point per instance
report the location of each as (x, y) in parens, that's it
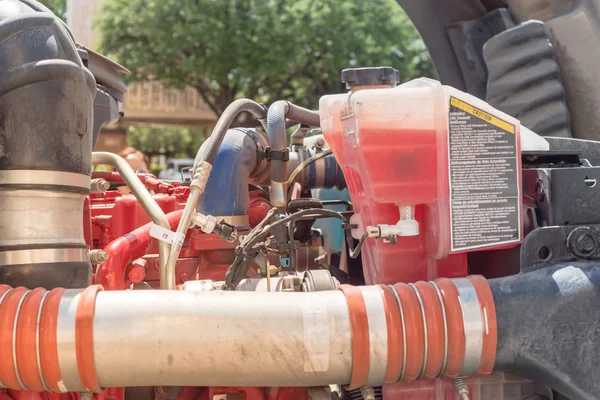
(221, 339)
(92, 339)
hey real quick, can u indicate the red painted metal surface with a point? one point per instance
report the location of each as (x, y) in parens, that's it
(122, 251)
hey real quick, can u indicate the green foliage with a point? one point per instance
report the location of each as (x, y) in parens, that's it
(262, 49)
(173, 141)
(58, 7)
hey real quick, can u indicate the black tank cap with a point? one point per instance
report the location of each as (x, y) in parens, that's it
(353, 77)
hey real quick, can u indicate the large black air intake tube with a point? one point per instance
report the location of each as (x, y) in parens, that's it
(46, 105)
(549, 327)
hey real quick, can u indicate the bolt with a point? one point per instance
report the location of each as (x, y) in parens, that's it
(367, 393)
(137, 271)
(586, 243)
(320, 143)
(583, 242)
(99, 185)
(184, 277)
(98, 256)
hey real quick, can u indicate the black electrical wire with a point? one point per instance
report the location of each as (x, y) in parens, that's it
(355, 252)
(248, 250)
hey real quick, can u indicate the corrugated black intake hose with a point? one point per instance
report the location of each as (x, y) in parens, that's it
(549, 327)
(276, 127)
(208, 152)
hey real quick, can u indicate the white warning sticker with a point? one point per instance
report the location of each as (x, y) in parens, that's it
(485, 197)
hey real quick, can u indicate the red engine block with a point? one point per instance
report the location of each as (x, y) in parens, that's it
(118, 224)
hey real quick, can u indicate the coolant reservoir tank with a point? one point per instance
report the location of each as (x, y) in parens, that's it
(433, 173)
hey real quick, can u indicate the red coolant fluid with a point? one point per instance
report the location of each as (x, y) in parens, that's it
(433, 171)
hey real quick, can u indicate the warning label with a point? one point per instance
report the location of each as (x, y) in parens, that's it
(484, 182)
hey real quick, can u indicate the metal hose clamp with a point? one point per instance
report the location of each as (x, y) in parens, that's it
(473, 325)
(1, 300)
(425, 334)
(403, 331)
(14, 341)
(441, 298)
(37, 342)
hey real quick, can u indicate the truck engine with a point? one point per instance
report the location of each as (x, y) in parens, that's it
(464, 265)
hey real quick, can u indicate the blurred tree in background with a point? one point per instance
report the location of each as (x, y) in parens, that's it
(262, 49)
(58, 7)
(172, 141)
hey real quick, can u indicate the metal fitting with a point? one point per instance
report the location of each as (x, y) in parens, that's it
(319, 144)
(201, 175)
(206, 223)
(462, 390)
(99, 185)
(278, 193)
(137, 271)
(98, 256)
(368, 393)
(86, 396)
(204, 285)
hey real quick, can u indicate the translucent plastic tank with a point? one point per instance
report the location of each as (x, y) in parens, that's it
(498, 386)
(431, 155)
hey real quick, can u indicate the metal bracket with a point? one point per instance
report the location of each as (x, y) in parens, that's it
(553, 244)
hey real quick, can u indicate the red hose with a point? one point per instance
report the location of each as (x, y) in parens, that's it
(123, 250)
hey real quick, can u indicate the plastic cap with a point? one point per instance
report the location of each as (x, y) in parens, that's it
(354, 77)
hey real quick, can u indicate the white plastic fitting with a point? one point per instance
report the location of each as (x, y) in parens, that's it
(406, 226)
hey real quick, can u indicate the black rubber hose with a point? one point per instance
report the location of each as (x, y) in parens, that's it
(19, 23)
(549, 329)
(303, 203)
(276, 127)
(209, 151)
(37, 71)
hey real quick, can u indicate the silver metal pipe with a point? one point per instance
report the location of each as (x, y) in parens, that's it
(147, 202)
(197, 186)
(40, 217)
(231, 338)
(180, 338)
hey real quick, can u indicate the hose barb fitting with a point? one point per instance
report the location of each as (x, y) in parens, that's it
(99, 185)
(201, 175)
(462, 390)
(406, 226)
(208, 224)
(98, 256)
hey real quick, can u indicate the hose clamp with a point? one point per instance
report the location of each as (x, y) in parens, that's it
(277, 155)
(37, 178)
(425, 333)
(404, 352)
(445, 319)
(473, 325)
(378, 337)
(14, 341)
(2, 385)
(45, 256)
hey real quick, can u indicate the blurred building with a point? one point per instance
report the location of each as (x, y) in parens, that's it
(145, 102)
